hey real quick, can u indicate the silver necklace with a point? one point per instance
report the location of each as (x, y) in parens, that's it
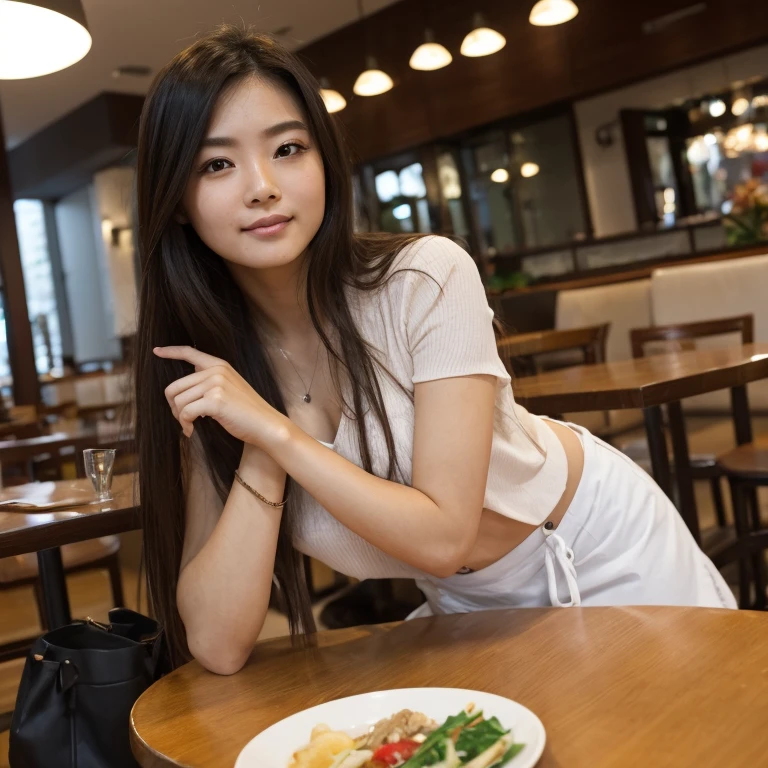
(307, 397)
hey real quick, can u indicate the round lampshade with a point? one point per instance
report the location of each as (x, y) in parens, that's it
(430, 56)
(740, 106)
(482, 41)
(38, 37)
(334, 101)
(373, 81)
(548, 13)
(528, 170)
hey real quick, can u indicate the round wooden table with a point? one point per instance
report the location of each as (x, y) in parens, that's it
(614, 687)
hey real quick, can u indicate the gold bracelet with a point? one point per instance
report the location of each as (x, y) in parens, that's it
(278, 504)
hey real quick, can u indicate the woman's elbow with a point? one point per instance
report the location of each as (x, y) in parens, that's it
(448, 558)
(221, 658)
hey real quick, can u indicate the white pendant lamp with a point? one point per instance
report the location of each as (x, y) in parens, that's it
(38, 37)
(333, 100)
(740, 106)
(482, 40)
(430, 55)
(373, 81)
(548, 13)
(529, 170)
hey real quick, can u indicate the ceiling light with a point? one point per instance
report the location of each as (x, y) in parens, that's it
(333, 100)
(711, 139)
(373, 81)
(529, 169)
(482, 40)
(717, 108)
(430, 55)
(740, 106)
(36, 40)
(547, 13)
(500, 175)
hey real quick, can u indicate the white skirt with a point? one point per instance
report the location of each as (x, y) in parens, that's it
(621, 542)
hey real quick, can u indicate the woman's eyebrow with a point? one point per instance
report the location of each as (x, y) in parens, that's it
(287, 125)
(271, 132)
(218, 141)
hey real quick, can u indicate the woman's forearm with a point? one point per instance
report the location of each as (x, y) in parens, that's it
(401, 520)
(223, 592)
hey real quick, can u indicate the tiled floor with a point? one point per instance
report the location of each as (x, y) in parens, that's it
(90, 595)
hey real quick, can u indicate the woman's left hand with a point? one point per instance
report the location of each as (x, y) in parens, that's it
(215, 389)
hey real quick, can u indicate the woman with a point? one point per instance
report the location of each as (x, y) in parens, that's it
(274, 343)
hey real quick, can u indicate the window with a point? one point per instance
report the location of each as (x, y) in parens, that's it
(524, 186)
(402, 197)
(38, 284)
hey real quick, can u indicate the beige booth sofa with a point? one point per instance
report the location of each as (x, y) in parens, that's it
(694, 292)
(679, 294)
(625, 306)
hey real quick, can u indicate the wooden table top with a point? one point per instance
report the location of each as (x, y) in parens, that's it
(22, 532)
(653, 380)
(613, 686)
(83, 437)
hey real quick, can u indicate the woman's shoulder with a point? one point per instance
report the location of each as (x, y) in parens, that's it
(433, 255)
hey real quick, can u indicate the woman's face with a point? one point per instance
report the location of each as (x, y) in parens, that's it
(256, 194)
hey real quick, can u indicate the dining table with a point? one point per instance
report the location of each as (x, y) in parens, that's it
(42, 517)
(654, 383)
(613, 686)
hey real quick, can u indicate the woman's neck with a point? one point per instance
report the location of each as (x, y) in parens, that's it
(278, 297)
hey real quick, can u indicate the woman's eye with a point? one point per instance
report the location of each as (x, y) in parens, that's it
(289, 149)
(216, 165)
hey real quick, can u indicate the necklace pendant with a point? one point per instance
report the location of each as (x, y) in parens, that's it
(307, 398)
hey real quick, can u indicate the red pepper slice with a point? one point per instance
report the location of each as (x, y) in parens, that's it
(396, 753)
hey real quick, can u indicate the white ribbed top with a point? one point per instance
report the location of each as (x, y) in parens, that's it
(422, 333)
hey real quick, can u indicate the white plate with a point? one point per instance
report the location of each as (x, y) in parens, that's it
(274, 747)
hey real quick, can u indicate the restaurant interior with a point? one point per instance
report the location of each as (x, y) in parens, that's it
(604, 163)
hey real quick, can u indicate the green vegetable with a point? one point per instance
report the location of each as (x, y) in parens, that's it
(475, 740)
(427, 754)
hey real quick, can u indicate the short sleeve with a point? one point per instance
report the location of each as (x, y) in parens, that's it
(448, 323)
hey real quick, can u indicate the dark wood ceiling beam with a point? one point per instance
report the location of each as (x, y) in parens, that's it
(64, 156)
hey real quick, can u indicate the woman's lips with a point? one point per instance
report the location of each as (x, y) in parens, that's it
(269, 230)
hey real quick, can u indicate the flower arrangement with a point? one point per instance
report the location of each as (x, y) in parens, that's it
(747, 221)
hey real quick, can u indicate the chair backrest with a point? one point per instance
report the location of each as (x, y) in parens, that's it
(743, 324)
(526, 354)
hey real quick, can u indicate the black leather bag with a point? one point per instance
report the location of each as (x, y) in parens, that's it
(77, 690)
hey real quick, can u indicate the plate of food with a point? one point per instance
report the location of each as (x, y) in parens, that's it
(403, 728)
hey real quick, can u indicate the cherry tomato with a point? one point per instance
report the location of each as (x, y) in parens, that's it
(394, 754)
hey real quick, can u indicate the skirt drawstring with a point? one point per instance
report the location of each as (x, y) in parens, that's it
(558, 552)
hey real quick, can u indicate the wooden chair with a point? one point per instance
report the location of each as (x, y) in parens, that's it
(679, 332)
(95, 554)
(527, 354)
(746, 468)
(703, 466)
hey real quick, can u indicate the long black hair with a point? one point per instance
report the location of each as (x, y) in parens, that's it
(188, 297)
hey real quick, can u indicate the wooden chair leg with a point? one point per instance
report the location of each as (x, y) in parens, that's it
(740, 522)
(758, 558)
(717, 497)
(40, 605)
(116, 581)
